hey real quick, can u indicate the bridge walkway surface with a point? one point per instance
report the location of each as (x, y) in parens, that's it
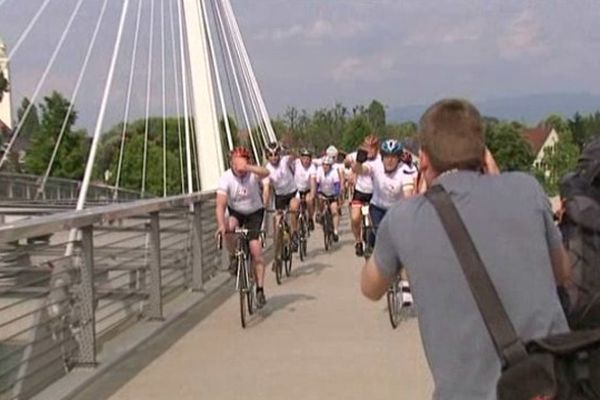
(316, 338)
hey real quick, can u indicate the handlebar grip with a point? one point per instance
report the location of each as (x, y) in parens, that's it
(219, 241)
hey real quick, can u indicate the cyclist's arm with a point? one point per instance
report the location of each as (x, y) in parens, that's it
(220, 210)
(266, 194)
(258, 170)
(373, 283)
(313, 186)
(360, 168)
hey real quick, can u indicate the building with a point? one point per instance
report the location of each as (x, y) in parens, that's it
(5, 103)
(540, 139)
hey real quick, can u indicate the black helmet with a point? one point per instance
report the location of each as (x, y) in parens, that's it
(305, 152)
(273, 149)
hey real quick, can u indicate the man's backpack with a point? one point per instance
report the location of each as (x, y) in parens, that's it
(580, 226)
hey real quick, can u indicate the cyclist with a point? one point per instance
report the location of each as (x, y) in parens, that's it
(239, 192)
(410, 168)
(363, 189)
(390, 184)
(328, 186)
(305, 176)
(338, 165)
(281, 180)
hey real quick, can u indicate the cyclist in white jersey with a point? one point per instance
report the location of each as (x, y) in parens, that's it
(328, 186)
(281, 181)
(239, 190)
(390, 184)
(305, 175)
(410, 168)
(363, 189)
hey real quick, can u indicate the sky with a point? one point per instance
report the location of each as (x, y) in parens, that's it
(313, 53)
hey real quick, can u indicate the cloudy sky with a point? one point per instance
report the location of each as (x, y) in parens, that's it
(312, 53)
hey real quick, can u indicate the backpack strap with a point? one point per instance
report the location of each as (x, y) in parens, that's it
(509, 347)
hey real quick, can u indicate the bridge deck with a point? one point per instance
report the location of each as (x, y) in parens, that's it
(316, 338)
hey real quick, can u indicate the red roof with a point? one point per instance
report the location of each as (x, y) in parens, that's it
(536, 137)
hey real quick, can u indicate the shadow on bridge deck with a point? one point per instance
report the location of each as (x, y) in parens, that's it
(316, 338)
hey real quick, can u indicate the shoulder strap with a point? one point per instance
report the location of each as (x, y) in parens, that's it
(508, 346)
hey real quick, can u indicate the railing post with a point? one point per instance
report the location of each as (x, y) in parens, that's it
(197, 270)
(87, 345)
(155, 301)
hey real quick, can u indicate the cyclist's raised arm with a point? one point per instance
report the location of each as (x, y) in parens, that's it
(258, 170)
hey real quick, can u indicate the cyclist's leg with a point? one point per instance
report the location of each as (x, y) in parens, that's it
(377, 215)
(294, 205)
(334, 207)
(254, 224)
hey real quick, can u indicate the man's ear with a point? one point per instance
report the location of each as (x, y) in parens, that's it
(423, 160)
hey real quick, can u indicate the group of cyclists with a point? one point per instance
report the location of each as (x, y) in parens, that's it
(377, 175)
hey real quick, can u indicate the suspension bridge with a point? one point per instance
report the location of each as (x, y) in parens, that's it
(110, 282)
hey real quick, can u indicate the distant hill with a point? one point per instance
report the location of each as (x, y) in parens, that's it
(529, 109)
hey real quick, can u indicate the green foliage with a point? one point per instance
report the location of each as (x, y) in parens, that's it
(584, 128)
(376, 116)
(72, 153)
(556, 162)
(405, 130)
(133, 156)
(31, 124)
(356, 130)
(506, 143)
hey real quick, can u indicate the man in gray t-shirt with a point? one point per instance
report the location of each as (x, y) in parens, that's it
(510, 220)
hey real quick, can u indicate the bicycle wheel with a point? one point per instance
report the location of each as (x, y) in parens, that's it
(327, 230)
(250, 293)
(288, 259)
(243, 289)
(394, 304)
(368, 249)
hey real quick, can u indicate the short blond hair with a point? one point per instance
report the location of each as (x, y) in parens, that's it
(451, 132)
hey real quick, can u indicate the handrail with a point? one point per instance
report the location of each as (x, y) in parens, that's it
(49, 224)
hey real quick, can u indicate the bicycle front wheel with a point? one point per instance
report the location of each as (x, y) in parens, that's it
(288, 259)
(394, 304)
(243, 289)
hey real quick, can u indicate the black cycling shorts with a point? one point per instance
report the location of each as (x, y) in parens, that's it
(329, 199)
(282, 202)
(252, 222)
(361, 198)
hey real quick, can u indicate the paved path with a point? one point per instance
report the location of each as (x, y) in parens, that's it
(317, 338)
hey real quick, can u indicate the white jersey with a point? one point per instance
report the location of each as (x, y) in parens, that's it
(303, 175)
(244, 195)
(387, 187)
(364, 183)
(328, 182)
(281, 177)
(410, 171)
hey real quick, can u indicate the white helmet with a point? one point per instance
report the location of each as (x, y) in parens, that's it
(329, 160)
(331, 151)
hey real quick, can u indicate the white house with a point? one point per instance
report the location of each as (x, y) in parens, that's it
(540, 138)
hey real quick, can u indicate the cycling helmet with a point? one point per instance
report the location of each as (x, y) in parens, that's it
(273, 149)
(240, 152)
(391, 146)
(328, 160)
(331, 151)
(304, 152)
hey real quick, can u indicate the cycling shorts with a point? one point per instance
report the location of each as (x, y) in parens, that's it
(252, 222)
(282, 202)
(359, 198)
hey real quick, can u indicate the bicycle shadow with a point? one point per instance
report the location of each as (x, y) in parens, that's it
(319, 251)
(309, 269)
(279, 303)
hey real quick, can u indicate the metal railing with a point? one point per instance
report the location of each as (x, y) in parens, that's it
(25, 188)
(61, 299)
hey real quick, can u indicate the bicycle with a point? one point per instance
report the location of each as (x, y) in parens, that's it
(244, 281)
(303, 231)
(366, 231)
(327, 224)
(283, 247)
(394, 302)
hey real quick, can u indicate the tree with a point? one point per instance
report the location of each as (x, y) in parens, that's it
(511, 151)
(356, 130)
(31, 124)
(556, 162)
(376, 115)
(72, 153)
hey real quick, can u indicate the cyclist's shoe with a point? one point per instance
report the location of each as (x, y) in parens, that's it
(311, 224)
(335, 237)
(407, 299)
(294, 242)
(232, 265)
(319, 218)
(260, 299)
(358, 249)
